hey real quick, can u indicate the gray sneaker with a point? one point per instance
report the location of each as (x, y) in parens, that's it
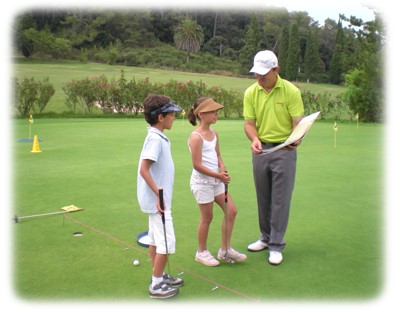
(162, 291)
(172, 281)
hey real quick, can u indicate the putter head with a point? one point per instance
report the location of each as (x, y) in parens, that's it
(230, 261)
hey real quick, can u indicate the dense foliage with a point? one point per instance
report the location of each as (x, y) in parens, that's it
(217, 42)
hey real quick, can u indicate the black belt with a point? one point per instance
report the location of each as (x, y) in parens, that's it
(270, 144)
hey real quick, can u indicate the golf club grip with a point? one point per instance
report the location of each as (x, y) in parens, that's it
(226, 190)
(161, 199)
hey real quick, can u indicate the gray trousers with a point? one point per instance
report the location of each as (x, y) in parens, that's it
(274, 176)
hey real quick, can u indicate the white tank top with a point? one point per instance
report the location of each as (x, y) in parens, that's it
(209, 157)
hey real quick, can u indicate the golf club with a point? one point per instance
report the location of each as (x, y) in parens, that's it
(226, 221)
(225, 257)
(65, 210)
(161, 198)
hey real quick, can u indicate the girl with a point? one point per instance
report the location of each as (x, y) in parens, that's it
(208, 181)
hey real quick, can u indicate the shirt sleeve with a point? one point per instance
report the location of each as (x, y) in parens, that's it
(152, 148)
(296, 107)
(248, 106)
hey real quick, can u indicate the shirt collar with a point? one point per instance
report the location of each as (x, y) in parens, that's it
(156, 131)
(278, 83)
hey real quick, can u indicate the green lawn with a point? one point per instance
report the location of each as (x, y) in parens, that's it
(60, 72)
(334, 240)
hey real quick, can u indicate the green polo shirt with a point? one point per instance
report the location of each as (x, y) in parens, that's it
(273, 112)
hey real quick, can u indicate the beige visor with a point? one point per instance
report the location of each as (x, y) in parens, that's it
(208, 105)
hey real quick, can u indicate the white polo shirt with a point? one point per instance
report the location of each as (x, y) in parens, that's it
(157, 148)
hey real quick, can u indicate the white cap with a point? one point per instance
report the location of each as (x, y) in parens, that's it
(264, 61)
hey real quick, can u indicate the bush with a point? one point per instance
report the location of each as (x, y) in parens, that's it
(32, 96)
(329, 107)
(116, 96)
(126, 97)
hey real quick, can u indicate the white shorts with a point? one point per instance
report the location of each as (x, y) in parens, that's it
(205, 193)
(156, 233)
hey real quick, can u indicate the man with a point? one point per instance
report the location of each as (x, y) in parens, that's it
(272, 108)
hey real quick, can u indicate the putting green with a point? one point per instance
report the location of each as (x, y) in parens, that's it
(334, 240)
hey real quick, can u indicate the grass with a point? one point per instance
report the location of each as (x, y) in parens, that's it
(60, 72)
(334, 237)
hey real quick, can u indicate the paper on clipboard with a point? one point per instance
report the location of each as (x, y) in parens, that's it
(298, 133)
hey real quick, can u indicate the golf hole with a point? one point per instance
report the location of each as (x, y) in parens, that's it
(77, 234)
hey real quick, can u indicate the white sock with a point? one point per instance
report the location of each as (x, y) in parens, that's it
(156, 280)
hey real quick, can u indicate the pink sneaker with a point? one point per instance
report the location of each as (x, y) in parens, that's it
(206, 258)
(231, 256)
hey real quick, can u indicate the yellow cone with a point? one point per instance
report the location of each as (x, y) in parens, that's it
(35, 146)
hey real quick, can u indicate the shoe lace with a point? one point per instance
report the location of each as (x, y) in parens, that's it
(166, 276)
(163, 286)
(232, 251)
(207, 255)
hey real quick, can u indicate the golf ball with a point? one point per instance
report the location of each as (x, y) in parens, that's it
(136, 262)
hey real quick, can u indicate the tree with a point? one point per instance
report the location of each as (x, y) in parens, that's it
(21, 41)
(326, 43)
(252, 45)
(336, 66)
(120, 37)
(293, 60)
(283, 49)
(364, 84)
(311, 57)
(189, 37)
(47, 43)
(164, 23)
(215, 45)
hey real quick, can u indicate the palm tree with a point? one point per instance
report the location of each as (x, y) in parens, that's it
(189, 37)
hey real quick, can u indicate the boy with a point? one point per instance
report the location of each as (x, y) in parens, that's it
(155, 171)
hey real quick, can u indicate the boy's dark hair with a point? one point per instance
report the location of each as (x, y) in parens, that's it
(151, 103)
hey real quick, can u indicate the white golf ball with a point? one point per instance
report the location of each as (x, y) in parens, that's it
(136, 262)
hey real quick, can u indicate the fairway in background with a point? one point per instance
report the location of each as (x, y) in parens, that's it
(60, 72)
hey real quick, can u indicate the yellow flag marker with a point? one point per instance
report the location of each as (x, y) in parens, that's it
(357, 117)
(183, 113)
(335, 128)
(30, 126)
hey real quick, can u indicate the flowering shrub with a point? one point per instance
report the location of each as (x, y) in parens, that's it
(329, 107)
(31, 95)
(126, 97)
